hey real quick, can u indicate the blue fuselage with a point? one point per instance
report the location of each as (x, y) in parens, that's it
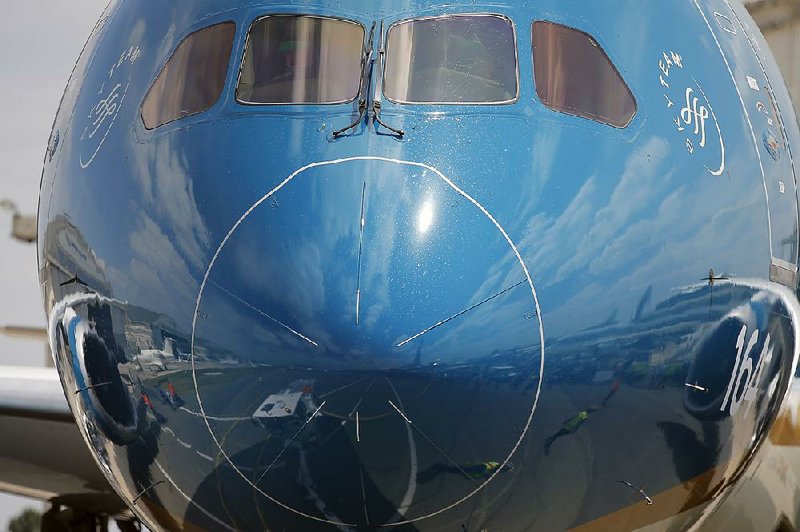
(509, 316)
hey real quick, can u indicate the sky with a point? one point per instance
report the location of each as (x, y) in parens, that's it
(40, 40)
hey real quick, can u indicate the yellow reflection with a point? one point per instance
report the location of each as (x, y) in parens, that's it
(425, 217)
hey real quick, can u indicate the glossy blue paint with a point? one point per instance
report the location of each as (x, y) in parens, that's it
(527, 288)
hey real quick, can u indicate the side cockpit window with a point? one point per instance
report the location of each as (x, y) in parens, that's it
(291, 59)
(575, 76)
(452, 59)
(193, 77)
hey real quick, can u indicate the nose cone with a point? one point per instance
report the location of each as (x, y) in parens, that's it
(379, 330)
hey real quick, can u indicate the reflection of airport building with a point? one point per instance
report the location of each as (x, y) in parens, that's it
(147, 331)
(139, 336)
(71, 259)
(658, 344)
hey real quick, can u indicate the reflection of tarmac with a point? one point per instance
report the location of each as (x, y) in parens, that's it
(320, 473)
(633, 439)
(334, 469)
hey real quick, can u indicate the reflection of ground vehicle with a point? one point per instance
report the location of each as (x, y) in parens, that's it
(293, 402)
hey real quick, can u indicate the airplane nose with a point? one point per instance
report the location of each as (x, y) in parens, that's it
(379, 331)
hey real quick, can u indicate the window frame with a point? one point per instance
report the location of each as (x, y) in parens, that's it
(169, 57)
(585, 116)
(501, 16)
(242, 57)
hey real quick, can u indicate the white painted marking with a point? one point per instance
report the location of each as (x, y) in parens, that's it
(486, 213)
(215, 418)
(456, 315)
(789, 299)
(747, 117)
(326, 394)
(717, 172)
(411, 488)
(725, 27)
(753, 83)
(758, 53)
(208, 514)
(259, 311)
(85, 165)
(286, 446)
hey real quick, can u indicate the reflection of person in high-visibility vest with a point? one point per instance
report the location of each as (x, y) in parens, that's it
(477, 471)
(616, 380)
(149, 404)
(174, 399)
(570, 426)
(615, 384)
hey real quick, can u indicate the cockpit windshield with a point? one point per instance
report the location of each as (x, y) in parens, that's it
(467, 59)
(574, 75)
(292, 59)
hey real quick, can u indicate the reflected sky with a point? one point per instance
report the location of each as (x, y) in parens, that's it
(416, 260)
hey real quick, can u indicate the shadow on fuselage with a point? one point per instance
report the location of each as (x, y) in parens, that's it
(289, 480)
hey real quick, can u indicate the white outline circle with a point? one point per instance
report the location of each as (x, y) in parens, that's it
(496, 224)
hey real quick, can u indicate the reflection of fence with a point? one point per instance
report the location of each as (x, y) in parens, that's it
(779, 21)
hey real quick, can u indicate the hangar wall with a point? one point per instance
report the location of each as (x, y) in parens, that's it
(779, 21)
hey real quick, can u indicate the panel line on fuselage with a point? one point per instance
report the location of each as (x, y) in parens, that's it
(747, 117)
(473, 201)
(781, 122)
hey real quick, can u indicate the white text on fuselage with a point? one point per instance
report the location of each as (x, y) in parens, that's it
(743, 385)
(691, 119)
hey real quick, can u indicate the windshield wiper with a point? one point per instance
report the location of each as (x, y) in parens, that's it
(366, 62)
(376, 99)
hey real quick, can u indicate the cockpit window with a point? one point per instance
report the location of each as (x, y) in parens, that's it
(467, 59)
(293, 59)
(192, 79)
(575, 76)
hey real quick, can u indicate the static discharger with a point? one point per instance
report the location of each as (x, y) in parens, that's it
(98, 385)
(695, 387)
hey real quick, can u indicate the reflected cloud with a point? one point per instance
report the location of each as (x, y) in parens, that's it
(156, 268)
(162, 171)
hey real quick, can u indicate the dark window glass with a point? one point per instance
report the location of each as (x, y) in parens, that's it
(574, 75)
(452, 59)
(193, 78)
(301, 59)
